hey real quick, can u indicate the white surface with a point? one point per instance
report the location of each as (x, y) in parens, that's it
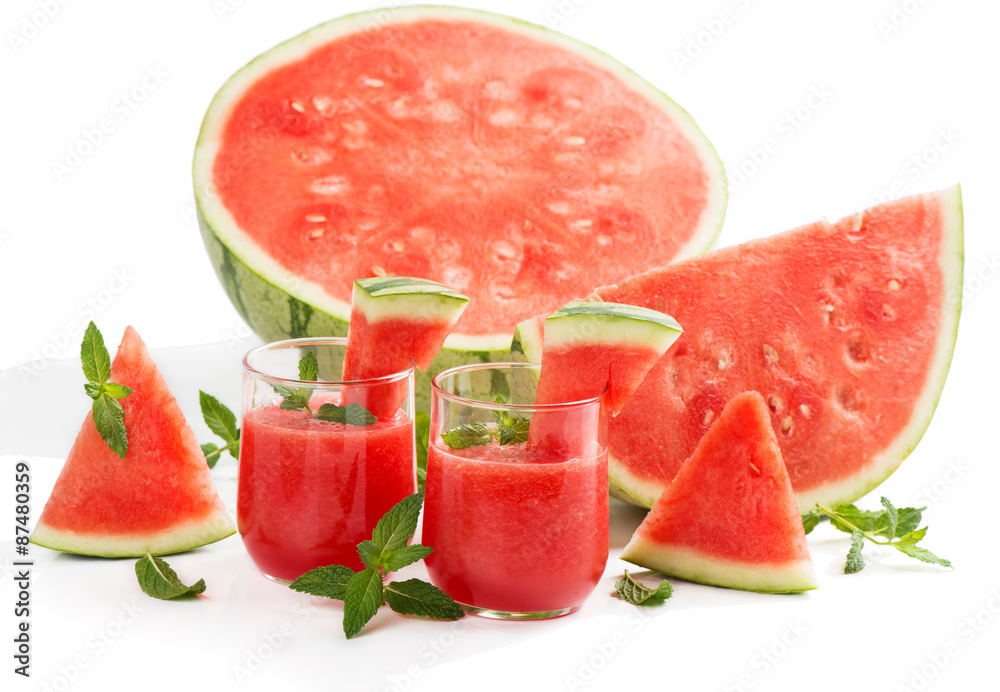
(116, 239)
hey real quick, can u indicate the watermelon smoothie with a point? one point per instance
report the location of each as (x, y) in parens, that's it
(519, 531)
(310, 489)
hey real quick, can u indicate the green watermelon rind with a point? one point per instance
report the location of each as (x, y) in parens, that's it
(625, 486)
(278, 304)
(407, 298)
(611, 323)
(176, 539)
(693, 565)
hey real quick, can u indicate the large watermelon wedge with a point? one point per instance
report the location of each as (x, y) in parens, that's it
(846, 329)
(160, 497)
(513, 163)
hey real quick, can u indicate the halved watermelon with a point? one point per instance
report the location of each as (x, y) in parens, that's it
(159, 498)
(511, 162)
(729, 518)
(846, 329)
(395, 322)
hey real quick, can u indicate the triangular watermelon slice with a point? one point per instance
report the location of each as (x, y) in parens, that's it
(729, 518)
(159, 498)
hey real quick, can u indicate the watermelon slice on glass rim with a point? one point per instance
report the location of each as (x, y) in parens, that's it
(513, 163)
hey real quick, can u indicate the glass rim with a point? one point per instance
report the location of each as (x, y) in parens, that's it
(315, 341)
(492, 405)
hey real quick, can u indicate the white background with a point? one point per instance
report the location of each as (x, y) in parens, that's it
(909, 98)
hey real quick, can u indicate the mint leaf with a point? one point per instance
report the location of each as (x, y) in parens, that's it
(328, 582)
(370, 554)
(395, 560)
(855, 563)
(399, 524)
(352, 414)
(308, 367)
(848, 518)
(908, 519)
(632, 591)
(468, 435)
(417, 597)
(514, 433)
(219, 419)
(922, 554)
(810, 520)
(362, 599)
(109, 419)
(156, 579)
(94, 355)
(212, 453)
(891, 518)
(108, 415)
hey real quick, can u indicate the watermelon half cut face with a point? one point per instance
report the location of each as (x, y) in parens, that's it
(510, 162)
(846, 329)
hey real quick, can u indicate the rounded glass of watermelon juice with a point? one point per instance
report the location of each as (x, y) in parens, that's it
(519, 526)
(317, 470)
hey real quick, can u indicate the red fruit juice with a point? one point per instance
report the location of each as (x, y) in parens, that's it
(311, 490)
(516, 528)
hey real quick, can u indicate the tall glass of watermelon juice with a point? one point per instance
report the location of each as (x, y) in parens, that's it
(519, 528)
(317, 470)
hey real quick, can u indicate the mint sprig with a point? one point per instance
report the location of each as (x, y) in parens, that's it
(891, 526)
(352, 414)
(365, 591)
(158, 580)
(506, 430)
(222, 422)
(637, 593)
(297, 398)
(109, 417)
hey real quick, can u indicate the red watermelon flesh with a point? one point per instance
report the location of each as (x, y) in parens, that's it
(729, 518)
(510, 162)
(159, 498)
(846, 329)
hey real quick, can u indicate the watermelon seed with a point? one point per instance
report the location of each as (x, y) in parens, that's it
(857, 221)
(574, 141)
(311, 157)
(805, 410)
(330, 185)
(771, 353)
(296, 106)
(397, 245)
(723, 360)
(315, 218)
(581, 224)
(378, 271)
(316, 233)
(893, 285)
(372, 82)
(561, 207)
(847, 398)
(323, 104)
(786, 425)
(774, 403)
(755, 469)
(709, 415)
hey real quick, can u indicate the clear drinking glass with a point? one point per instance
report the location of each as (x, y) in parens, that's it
(315, 477)
(519, 530)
